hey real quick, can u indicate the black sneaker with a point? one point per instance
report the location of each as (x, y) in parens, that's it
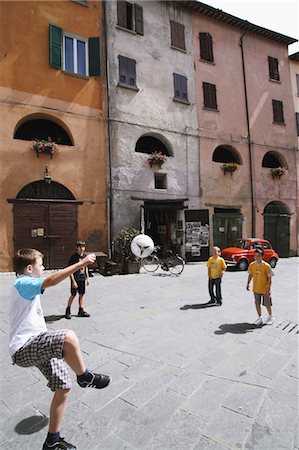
(61, 444)
(98, 381)
(82, 313)
(212, 302)
(218, 303)
(68, 313)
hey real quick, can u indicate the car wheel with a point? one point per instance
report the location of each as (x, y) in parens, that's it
(243, 264)
(273, 262)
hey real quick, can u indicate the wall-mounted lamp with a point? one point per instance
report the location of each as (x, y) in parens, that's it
(47, 176)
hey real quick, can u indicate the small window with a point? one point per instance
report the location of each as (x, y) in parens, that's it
(297, 122)
(75, 55)
(209, 95)
(177, 35)
(277, 111)
(206, 47)
(127, 71)
(273, 68)
(160, 180)
(180, 88)
(130, 16)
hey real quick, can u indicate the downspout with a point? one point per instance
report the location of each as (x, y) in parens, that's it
(109, 200)
(252, 186)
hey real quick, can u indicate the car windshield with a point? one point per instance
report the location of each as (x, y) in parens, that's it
(240, 243)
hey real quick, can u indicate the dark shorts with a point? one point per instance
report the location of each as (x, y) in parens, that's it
(266, 298)
(80, 289)
(45, 352)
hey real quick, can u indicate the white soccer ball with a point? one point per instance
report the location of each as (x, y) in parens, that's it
(142, 246)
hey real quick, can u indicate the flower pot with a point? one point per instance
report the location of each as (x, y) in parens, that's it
(131, 267)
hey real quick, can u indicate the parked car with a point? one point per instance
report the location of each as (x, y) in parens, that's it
(242, 254)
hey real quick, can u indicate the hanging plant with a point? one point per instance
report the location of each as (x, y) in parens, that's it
(43, 146)
(156, 159)
(230, 167)
(278, 172)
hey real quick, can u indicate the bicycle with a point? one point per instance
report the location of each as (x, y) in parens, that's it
(171, 263)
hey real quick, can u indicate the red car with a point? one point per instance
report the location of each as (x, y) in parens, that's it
(242, 254)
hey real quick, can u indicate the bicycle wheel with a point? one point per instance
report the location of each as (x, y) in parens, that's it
(151, 263)
(175, 265)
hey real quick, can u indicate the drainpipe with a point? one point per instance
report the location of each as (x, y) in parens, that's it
(252, 185)
(110, 193)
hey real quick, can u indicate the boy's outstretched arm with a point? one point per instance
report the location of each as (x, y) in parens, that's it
(60, 275)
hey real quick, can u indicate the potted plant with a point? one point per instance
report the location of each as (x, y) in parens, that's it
(44, 146)
(123, 247)
(156, 159)
(230, 167)
(278, 172)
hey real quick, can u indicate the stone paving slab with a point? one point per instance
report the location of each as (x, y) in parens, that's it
(183, 377)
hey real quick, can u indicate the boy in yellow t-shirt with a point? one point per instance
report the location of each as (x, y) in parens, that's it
(261, 273)
(216, 268)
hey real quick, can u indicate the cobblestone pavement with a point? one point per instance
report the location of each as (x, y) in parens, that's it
(183, 377)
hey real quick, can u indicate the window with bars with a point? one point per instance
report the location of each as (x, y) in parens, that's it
(177, 31)
(206, 47)
(209, 95)
(273, 68)
(130, 16)
(74, 54)
(180, 88)
(127, 71)
(160, 180)
(277, 111)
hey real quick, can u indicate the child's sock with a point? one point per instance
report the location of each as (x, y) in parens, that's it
(53, 437)
(86, 376)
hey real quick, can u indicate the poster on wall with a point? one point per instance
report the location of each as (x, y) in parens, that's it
(197, 235)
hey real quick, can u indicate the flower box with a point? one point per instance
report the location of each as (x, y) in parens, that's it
(43, 146)
(230, 167)
(156, 159)
(278, 172)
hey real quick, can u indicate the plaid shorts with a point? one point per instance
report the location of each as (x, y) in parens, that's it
(45, 351)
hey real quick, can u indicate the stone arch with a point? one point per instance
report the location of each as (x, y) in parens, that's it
(226, 154)
(42, 126)
(153, 142)
(273, 160)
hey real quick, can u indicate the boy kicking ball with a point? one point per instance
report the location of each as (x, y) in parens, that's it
(261, 273)
(31, 344)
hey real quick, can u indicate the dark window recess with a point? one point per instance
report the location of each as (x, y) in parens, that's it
(127, 71)
(297, 83)
(273, 68)
(209, 95)
(150, 144)
(206, 47)
(297, 122)
(130, 16)
(180, 87)
(277, 111)
(160, 180)
(225, 155)
(177, 35)
(271, 160)
(42, 129)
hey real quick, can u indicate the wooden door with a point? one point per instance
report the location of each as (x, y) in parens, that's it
(63, 228)
(227, 227)
(277, 231)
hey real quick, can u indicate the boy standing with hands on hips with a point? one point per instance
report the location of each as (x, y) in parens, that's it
(31, 344)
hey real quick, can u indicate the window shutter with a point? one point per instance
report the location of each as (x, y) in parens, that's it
(122, 14)
(177, 31)
(209, 94)
(55, 46)
(184, 93)
(297, 82)
(138, 19)
(277, 111)
(131, 71)
(206, 46)
(177, 87)
(297, 121)
(122, 69)
(273, 68)
(94, 56)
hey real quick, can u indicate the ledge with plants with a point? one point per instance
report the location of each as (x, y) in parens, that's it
(230, 167)
(278, 172)
(156, 159)
(43, 146)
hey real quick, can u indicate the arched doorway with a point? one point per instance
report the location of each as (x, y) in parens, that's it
(277, 227)
(45, 218)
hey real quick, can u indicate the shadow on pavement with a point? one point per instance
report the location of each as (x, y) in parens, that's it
(198, 306)
(54, 318)
(236, 328)
(31, 425)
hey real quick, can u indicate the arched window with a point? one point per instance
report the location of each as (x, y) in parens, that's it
(149, 143)
(42, 129)
(42, 190)
(276, 207)
(273, 160)
(226, 154)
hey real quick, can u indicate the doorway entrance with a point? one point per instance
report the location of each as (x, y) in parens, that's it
(45, 218)
(227, 226)
(277, 227)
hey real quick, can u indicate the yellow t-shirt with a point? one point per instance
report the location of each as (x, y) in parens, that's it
(216, 266)
(260, 274)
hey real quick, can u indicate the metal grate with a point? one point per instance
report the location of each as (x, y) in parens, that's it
(288, 327)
